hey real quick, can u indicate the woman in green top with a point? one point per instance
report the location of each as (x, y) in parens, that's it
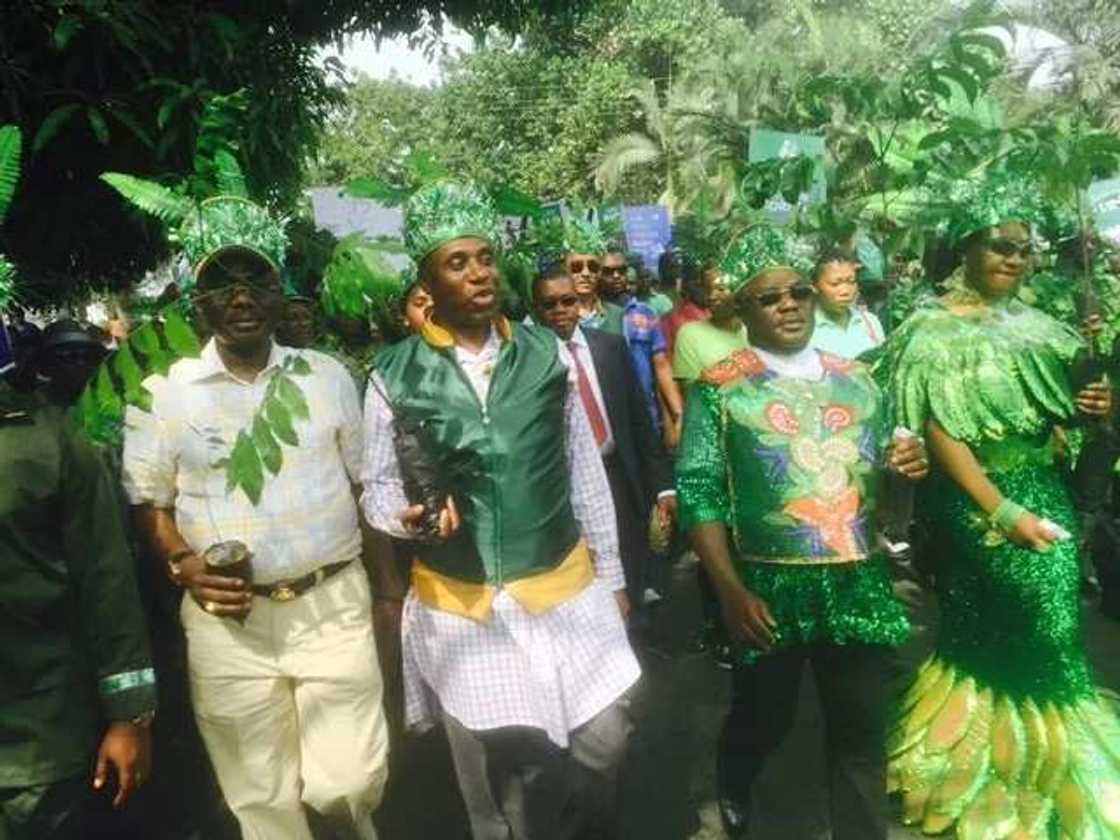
(700, 344)
(1002, 733)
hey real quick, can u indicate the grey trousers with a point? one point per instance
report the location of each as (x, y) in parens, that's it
(518, 785)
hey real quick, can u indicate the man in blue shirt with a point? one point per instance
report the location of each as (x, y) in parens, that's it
(648, 351)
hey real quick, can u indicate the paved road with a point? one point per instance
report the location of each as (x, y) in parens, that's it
(678, 711)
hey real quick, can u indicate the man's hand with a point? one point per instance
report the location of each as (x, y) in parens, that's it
(623, 601)
(127, 748)
(747, 617)
(907, 457)
(449, 521)
(1092, 327)
(1095, 400)
(225, 597)
(667, 510)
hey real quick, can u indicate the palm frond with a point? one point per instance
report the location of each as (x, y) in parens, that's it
(622, 154)
(10, 143)
(151, 197)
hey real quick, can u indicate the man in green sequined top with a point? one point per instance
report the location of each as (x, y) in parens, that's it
(776, 477)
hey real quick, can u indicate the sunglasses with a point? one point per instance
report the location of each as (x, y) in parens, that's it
(577, 266)
(612, 270)
(567, 301)
(257, 289)
(1009, 247)
(798, 294)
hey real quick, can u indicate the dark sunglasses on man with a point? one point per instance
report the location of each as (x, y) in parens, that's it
(577, 266)
(798, 293)
(612, 270)
(1009, 247)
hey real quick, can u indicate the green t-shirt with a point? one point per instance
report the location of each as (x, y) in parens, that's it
(661, 304)
(700, 345)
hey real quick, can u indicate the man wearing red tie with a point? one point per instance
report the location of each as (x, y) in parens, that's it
(638, 469)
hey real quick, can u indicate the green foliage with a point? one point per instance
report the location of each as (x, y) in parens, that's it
(359, 280)
(151, 349)
(257, 449)
(10, 143)
(165, 204)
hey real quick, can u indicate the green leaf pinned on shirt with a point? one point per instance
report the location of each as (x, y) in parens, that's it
(244, 468)
(267, 447)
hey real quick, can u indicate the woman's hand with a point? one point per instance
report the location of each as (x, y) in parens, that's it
(1029, 532)
(1095, 400)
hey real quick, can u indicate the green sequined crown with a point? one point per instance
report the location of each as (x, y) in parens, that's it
(761, 248)
(966, 206)
(226, 220)
(445, 211)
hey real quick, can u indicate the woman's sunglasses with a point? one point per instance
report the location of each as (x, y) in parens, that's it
(798, 294)
(1009, 248)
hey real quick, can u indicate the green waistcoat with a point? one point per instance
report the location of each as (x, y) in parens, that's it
(505, 461)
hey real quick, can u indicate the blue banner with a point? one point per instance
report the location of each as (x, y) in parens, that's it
(647, 232)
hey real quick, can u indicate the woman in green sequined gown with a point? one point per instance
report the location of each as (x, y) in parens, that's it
(1002, 734)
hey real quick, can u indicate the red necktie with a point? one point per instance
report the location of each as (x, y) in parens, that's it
(587, 397)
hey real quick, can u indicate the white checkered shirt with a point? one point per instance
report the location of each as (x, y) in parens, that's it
(306, 517)
(553, 671)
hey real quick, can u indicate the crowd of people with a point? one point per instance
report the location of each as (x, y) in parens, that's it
(466, 517)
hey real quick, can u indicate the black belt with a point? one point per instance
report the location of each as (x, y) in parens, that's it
(287, 590)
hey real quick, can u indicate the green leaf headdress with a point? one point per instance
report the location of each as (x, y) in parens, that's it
(359, 281)
(201, 228)
(760, 249)
(10, 143)
(443, 211)
(967, 205)
(583, 237)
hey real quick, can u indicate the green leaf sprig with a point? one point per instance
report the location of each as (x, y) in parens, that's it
(258, 446)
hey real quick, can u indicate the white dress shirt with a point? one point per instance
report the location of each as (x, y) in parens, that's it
(306, 517)
(577, 345)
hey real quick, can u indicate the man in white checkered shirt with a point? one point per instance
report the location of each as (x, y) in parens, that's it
(284, 676)
(513, 629)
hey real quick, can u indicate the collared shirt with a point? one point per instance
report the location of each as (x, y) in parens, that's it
(73, 642)
(553, 671)
(306, 517)
(606, 316)
(862, 332)
(577, 345)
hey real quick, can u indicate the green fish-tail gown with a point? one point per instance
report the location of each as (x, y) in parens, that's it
(1002, 734)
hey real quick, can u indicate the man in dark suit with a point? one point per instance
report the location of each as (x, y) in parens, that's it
(639, 470)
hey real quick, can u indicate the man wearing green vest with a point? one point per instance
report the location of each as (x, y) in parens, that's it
(78, 691)
(512, 629)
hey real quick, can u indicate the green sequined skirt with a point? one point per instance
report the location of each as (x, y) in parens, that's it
(844, 603)
(1002, 734)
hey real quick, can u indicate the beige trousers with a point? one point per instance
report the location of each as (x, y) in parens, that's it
(289, 707)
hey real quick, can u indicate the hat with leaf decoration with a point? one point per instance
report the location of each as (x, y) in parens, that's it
(444, 211)
(10, 145)
(582, 236)
(200, 228)
(964, 206)
(761, 248)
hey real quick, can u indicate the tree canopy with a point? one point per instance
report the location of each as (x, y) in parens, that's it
(101, 86)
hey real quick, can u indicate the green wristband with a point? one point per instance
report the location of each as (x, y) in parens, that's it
(1007, 515)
